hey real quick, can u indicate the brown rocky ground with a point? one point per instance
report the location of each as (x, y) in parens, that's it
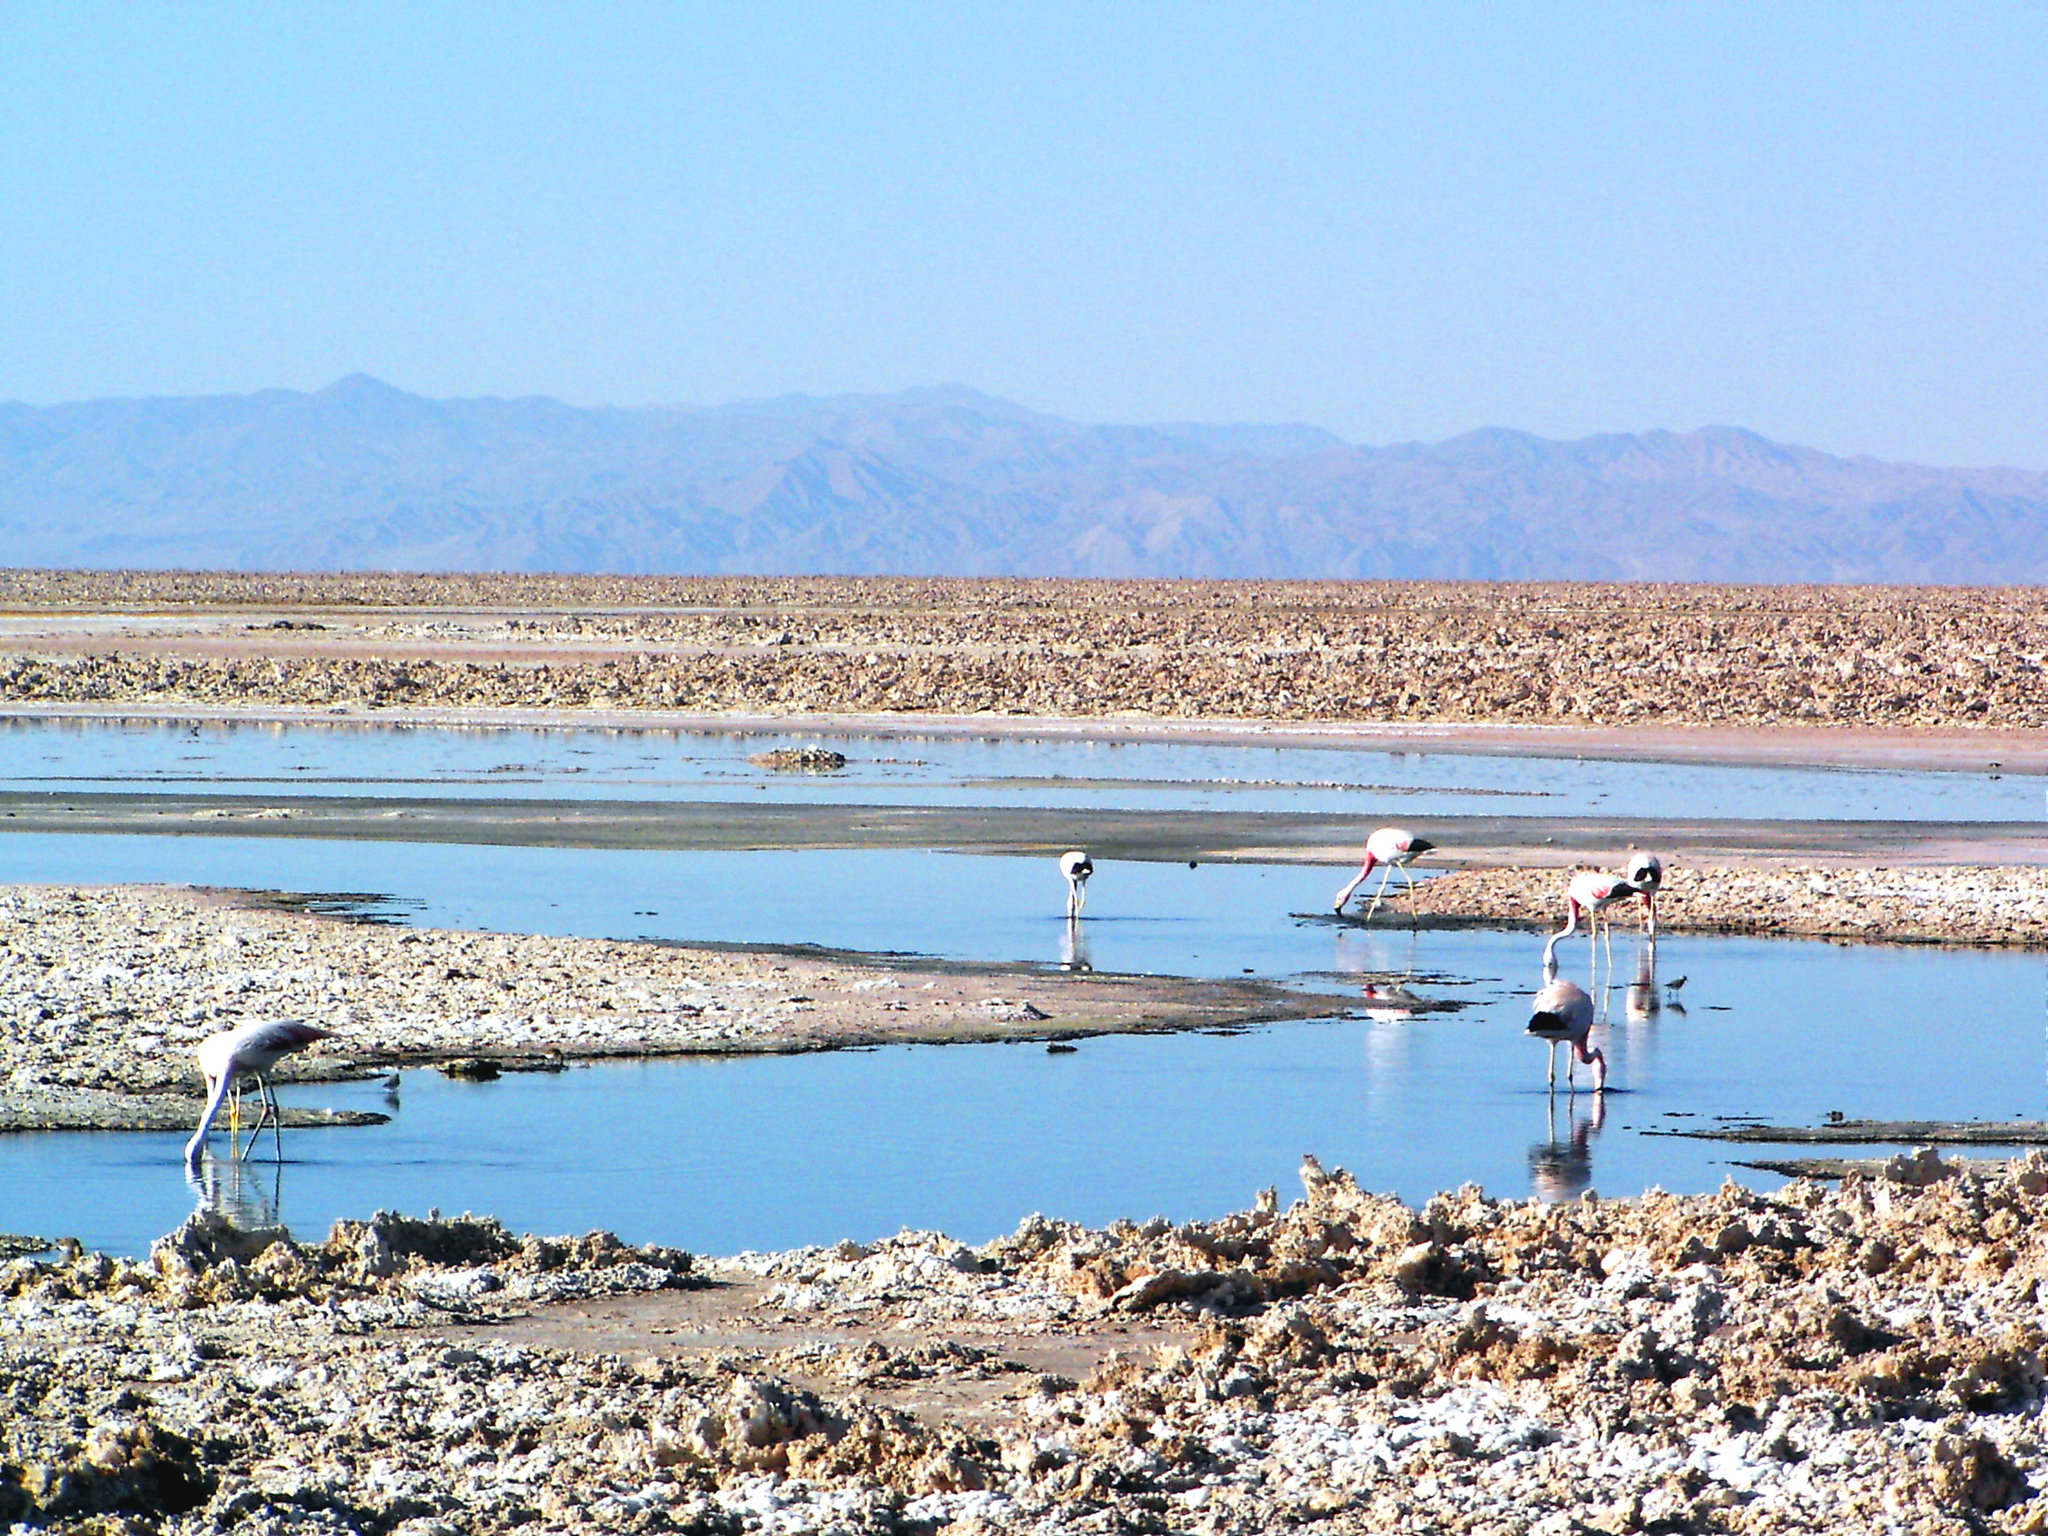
(1862, 1359)
(1414, 652)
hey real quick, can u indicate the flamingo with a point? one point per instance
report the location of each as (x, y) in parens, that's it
(1645, 871)
(250, 1051)
(1077, 867)
(1393, 847)
(1563, 1014)
(1591, 892)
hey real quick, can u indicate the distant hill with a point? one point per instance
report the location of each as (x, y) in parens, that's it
(951, 482)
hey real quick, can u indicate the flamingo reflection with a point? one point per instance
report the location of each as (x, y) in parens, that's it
(1562, 1167)
(1074, 947)
(230, 1195)
(1641, 1000)
(1389, 999)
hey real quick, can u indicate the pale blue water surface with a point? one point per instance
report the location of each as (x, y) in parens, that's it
(1426, 1083)
(355, 758)
(719, 1155)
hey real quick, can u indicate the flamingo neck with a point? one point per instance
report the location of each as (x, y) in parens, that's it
(1571, 926)
(1594, 1058)
(221, 1088)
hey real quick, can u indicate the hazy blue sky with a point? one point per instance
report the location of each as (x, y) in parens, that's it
(1826, 222)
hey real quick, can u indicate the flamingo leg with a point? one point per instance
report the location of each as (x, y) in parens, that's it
(267, 1111)
(250, 1145)
(276, 1123)
(1385, 876)
(1553, 1064)
(1650, 901)
(1413, 920)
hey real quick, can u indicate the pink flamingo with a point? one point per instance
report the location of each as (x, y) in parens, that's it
(1645, 871)
(1393, 847)
(1563, 1015)
(250, 1051)
(1590, 893)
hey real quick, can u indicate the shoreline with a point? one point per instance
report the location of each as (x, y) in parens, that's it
(189, 961)
(1945, 749)
(1861, 1358)
(1283, 837)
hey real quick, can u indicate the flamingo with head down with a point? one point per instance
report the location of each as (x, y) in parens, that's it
(1563, 1015)
(250, 1051)
(1390, 848)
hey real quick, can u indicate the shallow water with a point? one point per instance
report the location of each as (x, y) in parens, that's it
(1428, 1083)
(946, 770)
(719, 1155)
(1160, 919)
(1426, 1086)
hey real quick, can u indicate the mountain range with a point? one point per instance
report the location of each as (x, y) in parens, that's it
(948, 481)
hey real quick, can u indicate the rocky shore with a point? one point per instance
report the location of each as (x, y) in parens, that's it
(1986, 905)
(104, 991)
(1528, 653)
(1868, 1358)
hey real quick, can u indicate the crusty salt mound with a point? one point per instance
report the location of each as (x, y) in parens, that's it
(1862, 1358)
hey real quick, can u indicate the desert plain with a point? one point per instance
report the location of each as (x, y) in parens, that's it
(1864, 1356)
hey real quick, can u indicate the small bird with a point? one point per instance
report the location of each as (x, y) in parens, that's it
(1563, 1014)
(1077, 867)
(1395, 848)
(250, 1051)
(1590, 892)
(1645, 871)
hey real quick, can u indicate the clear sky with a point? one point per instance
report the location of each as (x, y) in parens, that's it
(1826, 222)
